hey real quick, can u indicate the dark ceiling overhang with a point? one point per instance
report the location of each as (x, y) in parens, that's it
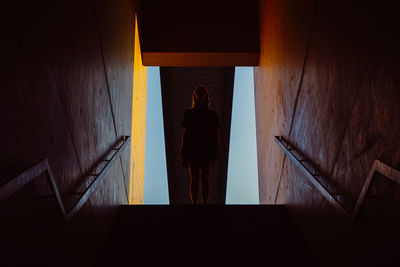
(199, 33)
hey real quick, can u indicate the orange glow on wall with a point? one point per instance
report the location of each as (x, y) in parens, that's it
(136, 181)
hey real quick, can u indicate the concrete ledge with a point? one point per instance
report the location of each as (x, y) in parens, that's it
(200, 59)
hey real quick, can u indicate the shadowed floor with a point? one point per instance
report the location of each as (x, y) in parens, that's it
(204, 236)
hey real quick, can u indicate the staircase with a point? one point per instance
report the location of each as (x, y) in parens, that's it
(246, 235)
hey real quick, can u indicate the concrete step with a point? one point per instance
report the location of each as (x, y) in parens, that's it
(204, 236)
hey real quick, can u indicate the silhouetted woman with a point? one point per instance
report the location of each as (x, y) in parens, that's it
(200, 145)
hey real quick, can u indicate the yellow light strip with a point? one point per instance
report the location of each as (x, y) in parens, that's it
(136, 180)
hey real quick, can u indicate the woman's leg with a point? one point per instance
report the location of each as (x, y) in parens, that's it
(194, 180)
(205, 181)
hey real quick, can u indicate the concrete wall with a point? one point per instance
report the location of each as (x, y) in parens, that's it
(66, 94)
(328, 82)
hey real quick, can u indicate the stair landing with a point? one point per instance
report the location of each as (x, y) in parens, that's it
(230, 235)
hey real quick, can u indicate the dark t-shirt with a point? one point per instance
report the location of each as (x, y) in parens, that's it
(200, 140)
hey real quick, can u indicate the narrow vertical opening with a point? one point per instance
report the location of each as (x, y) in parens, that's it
(242, 184)
(155, 181)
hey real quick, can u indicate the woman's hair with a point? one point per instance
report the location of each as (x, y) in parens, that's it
(200, 89)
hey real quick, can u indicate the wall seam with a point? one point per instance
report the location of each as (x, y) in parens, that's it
(63, 104)
(280, 179)
(298, 92)
(356, 97)
(108, 91)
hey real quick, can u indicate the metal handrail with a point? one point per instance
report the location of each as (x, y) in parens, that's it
(377, 167)
(28, 175)
(18, 182)
(89, 191)
(311, 176)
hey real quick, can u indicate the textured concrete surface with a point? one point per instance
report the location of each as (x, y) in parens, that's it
(199, 33)
(117, 39)
(232, 235)
(67, 77)
(327, 81)
(284, 37)
(177, 85)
